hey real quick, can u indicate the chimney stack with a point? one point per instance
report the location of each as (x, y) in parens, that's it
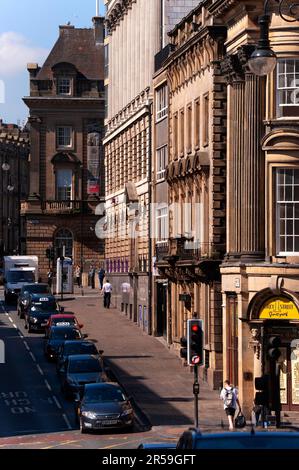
(99, 29)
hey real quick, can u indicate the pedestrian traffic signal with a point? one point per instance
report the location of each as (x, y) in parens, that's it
(183, 350)
(262, 384)
(195, 342)
(273, 344)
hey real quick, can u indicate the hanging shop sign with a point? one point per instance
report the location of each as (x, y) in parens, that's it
(279, 308)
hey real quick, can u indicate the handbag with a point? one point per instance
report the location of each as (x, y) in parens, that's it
(240, 421)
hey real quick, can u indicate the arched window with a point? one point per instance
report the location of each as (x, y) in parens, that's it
(63, 238)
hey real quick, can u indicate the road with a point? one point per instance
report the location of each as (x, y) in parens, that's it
(34, 413)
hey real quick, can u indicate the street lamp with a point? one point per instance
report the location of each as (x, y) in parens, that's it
(263, 59)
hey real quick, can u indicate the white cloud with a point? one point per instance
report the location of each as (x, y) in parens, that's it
(16, 51)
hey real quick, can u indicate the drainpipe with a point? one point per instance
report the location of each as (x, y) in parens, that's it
(150, 251)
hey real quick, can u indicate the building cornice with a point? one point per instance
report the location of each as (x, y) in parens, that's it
(116, 11)
(218, 7)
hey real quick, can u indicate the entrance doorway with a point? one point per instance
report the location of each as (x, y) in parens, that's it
(161, 309)
(289, 378)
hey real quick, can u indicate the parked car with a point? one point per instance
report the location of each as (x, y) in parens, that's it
(24, 297)
(40, 308)
(78, 370)
(57, 336)
(102, 406)
(62, 319)
(193, 439)
(70, 348)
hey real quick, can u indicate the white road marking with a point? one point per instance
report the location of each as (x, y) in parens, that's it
(15, 326)
(48, 385)
(67, 421)
(26, 345)
(10, 319)
(57, 402)
(39, 369)
(32, 356)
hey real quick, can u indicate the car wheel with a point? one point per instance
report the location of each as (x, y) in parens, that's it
(82, 428)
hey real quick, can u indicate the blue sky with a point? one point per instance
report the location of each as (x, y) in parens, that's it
(28, 30)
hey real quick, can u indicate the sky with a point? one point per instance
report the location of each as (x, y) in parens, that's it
(28, 31)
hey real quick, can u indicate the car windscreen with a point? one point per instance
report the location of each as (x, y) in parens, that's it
(20, 276)
(79, 348)
(63, 321)
(250, 442)
(86, 365)
(105, 394)
(43, 305)
(64, 334)
(38, 289)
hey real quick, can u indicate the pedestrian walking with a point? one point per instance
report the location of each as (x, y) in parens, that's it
(91, 276)
(229, 395)
(107, 289)
(78, 275)
(50, 275)
(101, 274)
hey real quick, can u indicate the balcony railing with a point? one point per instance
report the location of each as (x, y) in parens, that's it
(65, 207)
(185, 249)
(162, 250)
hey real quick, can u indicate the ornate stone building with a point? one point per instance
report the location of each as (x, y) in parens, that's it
(260, 272)
(136, 32)
(66, 119)
(188, 261)
(14, 178)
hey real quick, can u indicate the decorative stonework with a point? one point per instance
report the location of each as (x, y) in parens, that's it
(116, 12)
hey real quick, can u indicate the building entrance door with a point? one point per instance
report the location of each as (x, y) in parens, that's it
(161, 309)
(289, 378)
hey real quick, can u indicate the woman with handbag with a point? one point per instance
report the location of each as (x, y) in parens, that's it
(229, 395)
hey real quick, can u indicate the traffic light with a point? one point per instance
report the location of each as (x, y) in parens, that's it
(262, 384)
(273, 344)
(183, 350)
(48, 253)
(195, 342)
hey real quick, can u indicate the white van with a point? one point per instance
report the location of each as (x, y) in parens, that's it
(18, 271)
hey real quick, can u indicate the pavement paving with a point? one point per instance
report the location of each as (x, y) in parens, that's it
(151, 373)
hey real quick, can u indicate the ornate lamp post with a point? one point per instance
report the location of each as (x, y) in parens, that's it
(263, 59)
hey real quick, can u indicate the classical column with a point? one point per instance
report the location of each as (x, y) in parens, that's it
(253, 171)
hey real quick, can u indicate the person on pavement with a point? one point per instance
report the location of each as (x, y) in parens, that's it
(229, 395)
(107, 289)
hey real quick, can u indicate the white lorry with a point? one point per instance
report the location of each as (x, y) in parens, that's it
(18, 271)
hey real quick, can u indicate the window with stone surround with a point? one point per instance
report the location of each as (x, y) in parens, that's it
(64, 137)
(175, 128)
(161, 162)
(162, 232)
(161, 102)
(287, 211)
(182, 131)
(287, 96)
(197, 121)
(206, 117)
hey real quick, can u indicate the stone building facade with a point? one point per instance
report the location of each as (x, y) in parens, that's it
(261, 267)
(66, 105)
(196, 175)
(136, 32)
(14, 185)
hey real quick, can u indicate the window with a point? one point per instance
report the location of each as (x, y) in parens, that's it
(197, 124)
(162, 225)
(64, 86)
(206, 112)
(287, 211)
(64, 238)
(64, 136)
(175, 135)
(288, 87)
(189, 127)
(182, 131)
(64, 185)
(161, 103)
(161, 162)
(106, 51)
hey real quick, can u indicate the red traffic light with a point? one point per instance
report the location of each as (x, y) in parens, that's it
(194, 328)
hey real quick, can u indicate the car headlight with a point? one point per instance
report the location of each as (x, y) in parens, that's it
(127, 412)
(33, 320)
(33, 309)
(11, 291)
(89, 414)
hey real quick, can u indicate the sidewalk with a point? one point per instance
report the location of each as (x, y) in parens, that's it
(149, 372)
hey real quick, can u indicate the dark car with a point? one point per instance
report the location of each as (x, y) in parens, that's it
(41, 307)
(57, 336)
(102, 406)
(78, 370)
(193, 439)
(71, 348)
(24, 297)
